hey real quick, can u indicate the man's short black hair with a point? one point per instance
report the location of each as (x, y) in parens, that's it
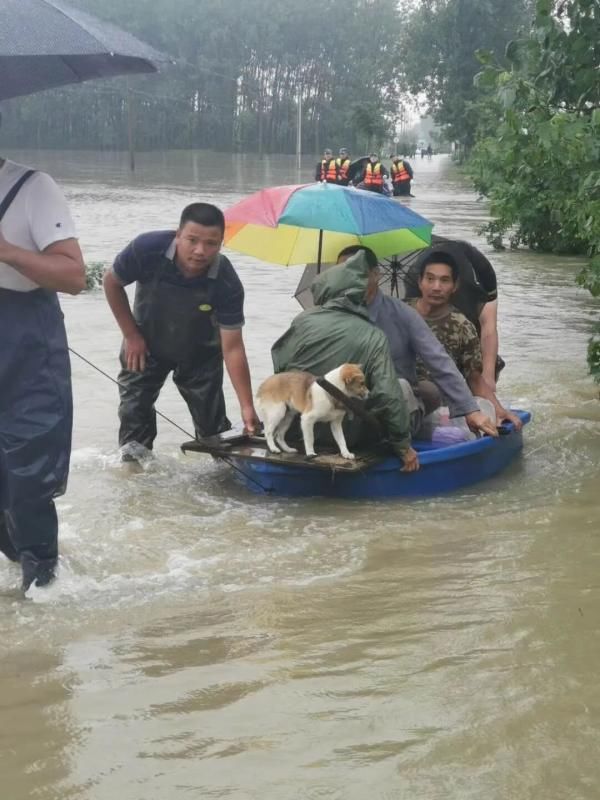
(203, 214)
(353, 249)
(440, 257)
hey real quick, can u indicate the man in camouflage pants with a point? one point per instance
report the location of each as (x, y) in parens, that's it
(438, 280)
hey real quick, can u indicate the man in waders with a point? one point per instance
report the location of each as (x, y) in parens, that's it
(39, 256)
(187, 319)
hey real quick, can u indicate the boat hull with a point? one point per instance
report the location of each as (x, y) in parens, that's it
(443, 469)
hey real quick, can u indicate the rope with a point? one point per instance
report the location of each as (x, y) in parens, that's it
(110, 378)
(169, 420)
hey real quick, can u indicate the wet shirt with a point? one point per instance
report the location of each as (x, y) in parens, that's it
(458, 337)
(147, 253)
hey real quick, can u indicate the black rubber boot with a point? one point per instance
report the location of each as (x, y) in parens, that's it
(6, 545)
(37, 571)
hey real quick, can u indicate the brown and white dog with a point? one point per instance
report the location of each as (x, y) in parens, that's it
(286, 394)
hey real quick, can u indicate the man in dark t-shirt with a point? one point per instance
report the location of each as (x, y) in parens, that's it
(476, 297)
(187, 319)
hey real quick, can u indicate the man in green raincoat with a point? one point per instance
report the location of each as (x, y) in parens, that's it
(339, 331)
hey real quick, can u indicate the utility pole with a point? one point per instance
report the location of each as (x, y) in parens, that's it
(299, 133)
(260, 124)
(130, 128)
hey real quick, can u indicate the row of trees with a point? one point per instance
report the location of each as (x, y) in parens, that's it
(241, 69)
(538, 154)
(441, 41)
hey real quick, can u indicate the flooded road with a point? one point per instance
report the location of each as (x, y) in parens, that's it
(205, 643)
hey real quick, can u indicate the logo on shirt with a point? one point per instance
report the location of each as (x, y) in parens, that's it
(205, 307)
(59, 224)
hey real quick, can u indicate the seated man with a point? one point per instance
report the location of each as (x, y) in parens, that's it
(437, 283)
(409, 338)
(339, 331)
(476, 297)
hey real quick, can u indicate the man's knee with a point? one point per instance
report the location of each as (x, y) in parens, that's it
(412, 403)
(414, 406)
(430, 396)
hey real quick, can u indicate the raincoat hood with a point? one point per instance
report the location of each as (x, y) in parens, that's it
(339, 330)
(343, 286)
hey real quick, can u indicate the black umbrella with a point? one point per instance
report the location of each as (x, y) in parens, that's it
(46, 43)
(395, 272)
(357, 167)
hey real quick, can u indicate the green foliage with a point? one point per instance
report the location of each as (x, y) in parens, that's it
(94, 272)
(593, 354)
(538, 154)
(589, 276)
(369, 125)
(240, 67)
(443, 44)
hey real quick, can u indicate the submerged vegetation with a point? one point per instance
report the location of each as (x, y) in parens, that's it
(94, 272)
(241, 68)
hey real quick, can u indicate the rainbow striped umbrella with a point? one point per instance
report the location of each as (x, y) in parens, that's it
(313, 222)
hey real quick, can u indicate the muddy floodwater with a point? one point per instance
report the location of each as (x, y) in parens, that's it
(202, 642)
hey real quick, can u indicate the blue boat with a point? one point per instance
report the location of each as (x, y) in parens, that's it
(370, 476)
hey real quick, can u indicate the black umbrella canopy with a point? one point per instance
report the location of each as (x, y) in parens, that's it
(395, 274)
(46, 43)
(356, 168)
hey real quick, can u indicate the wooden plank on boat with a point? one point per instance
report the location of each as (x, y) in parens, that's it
(254, 448)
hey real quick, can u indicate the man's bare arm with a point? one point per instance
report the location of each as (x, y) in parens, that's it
(135, 348)
(59, 267)
(479, 386)
(234, 356)
(488, 320)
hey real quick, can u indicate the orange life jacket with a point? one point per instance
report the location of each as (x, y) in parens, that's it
(329, 170)
(373, 174)
(399, 172)
(343, 165)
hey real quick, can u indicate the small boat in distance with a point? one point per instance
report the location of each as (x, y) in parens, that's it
(372, 475)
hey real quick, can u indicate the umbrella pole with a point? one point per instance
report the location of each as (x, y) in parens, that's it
(320, 251)
(394, 278)
(130, 128)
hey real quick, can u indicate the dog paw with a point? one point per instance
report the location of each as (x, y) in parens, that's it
(274, 449)
(311, 455)
(289, 449)
(349, 456)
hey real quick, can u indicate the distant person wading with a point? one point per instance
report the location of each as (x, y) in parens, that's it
(326, 170)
